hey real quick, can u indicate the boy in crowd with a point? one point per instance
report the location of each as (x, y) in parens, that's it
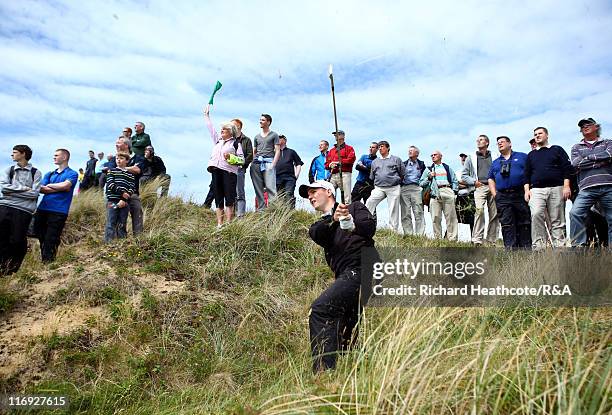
(19, 187)
(120, 185)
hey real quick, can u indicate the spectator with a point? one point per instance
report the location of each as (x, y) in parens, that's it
(592, 159)
(506, 183)
(141, 140)
(476, 175)
(80, 178)
(547, 176)
(121, 184)
(247, 148)
(317, 166)
(332, 162)
(110, 161)
(226, 156)
(411, 199)
(57, 187)
(266, 153)
(363, 185)
(98, 170)
(464, 205)
(154, 168)
(136, 166)
(90, 174)
(386, 173)
(288, 171)
(127, 132)
(443, 183)
(19, 186)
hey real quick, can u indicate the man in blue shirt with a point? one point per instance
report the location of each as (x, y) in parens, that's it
(57, 187)
(317, 169)
(364, 186)
(411, 199)
(506, 183)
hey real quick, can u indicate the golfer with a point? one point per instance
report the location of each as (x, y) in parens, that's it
(342, 231)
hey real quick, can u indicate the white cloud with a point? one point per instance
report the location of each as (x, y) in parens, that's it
(434, 74)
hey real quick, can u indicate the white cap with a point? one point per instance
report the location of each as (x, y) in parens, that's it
(319, 184)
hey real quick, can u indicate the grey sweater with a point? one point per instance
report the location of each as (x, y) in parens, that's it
(387, 172)
(593, 162)
(22, 192)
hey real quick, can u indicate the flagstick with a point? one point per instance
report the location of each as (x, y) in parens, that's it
(331, 78)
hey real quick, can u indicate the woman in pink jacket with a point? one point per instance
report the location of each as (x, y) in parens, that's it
(224, 161)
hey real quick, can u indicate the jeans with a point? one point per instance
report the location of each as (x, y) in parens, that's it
(333, 318)
(136, 214)
(240, 194)
(116, 223)
(587, 198)
(48, 227)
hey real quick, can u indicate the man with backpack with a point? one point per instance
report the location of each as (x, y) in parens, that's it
(20, 186)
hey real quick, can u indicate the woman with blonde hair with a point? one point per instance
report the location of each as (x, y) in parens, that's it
(227, 156)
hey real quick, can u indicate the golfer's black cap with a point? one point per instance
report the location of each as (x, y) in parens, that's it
(462, 155)
(586, 121)
(341, 132)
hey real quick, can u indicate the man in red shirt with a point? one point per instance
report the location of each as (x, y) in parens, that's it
(332, 163)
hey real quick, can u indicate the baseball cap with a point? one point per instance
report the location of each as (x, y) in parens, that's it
(585, 121)
(341, 132)
(319, 184)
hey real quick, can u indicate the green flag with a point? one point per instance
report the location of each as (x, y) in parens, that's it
(217, 87)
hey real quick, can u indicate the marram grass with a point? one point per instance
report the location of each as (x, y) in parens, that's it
(203, 321)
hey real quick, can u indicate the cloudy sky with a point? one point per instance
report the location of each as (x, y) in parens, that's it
(434, 74)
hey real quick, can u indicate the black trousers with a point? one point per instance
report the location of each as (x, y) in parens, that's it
(48, 227)
(333, 318)
(210, 197)
(465, 206)
(285, 187)
(224, 185)
(14, 225)
(515, 219)
(361, 190)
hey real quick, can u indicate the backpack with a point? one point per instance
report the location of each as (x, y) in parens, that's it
(12, 173)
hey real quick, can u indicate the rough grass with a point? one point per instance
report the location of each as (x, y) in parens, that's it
(233, 339)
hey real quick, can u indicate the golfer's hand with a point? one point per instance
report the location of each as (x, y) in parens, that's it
(121, 204)
(432, 174)
(341, 210)
(477, 184)
(226, 156)
(527, 196)
(207, 110)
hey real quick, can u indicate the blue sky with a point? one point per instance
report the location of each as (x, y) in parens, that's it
(434, 74)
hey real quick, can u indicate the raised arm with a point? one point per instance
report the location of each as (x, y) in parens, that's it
(211, 129)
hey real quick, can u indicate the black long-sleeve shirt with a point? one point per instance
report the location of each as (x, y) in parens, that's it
(343, 248)
(547, 167)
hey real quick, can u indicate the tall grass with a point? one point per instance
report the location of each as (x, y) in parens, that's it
(234, 338)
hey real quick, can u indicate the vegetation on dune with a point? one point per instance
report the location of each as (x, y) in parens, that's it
(204, 321)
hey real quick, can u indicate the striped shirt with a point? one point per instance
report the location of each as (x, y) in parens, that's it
(593, 163)
(118, 182)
